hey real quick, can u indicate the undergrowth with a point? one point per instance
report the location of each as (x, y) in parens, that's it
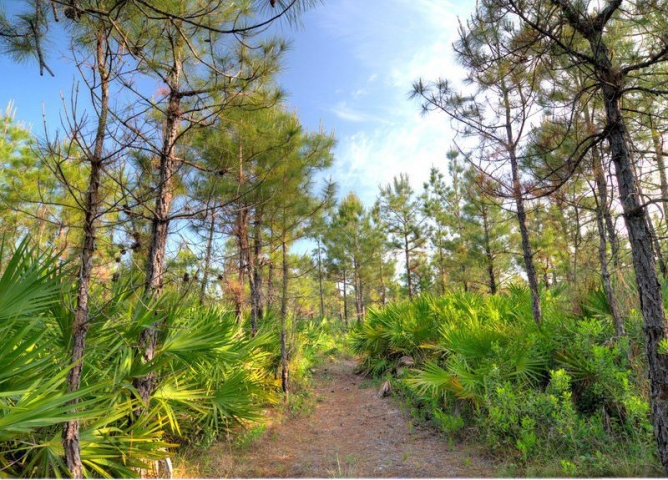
(563, 399)
(310, 344)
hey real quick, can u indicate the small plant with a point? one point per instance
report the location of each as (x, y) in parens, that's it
(246, 438)
(568, 468)
(663, 346)
(450, 424)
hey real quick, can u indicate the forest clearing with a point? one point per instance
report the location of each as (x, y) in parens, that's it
(246, 256)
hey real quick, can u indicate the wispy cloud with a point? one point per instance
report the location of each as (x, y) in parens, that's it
(369, 159)
(345, 112)
(390, 45)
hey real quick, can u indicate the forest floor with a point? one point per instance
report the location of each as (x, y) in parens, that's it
(351, 432)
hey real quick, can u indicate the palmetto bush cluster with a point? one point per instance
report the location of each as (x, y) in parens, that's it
(481, 362)
(210, 374)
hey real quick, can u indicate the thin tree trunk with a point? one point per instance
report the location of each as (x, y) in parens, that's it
(148, 339)
(270, 283)
(602, 188)
(255, 276)
(345, 300)
(207, 259)
(408, 267)
(521, 214)
(71, 441)
(241, 231)
(488, 252)
(362, 306)
(661, 166)
(441, 269)
(601, 209)
(383, 294)
(320, 289)
(356, 286)
(605, 273)
(576, 242)
(285, 371)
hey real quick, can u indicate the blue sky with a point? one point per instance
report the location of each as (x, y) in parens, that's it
(350, 71)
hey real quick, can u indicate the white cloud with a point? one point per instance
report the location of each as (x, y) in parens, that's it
(368, 159)
(345, 112)
(392, 44)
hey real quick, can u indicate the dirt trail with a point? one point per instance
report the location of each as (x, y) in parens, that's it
(351, 433)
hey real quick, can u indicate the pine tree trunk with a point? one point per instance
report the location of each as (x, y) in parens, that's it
(362, 306)
(661, 167)
(345, 300)
(285, 361)
(602, 193)
(383, 290)
(270, 284)
(255, 275)
(71, 440)
(207, 259)
(602, 188)
(441, 269)
(489, 256)
(356, 286)
(521, 213)
(649, 288)
(409, 280)
(148, 339)
(320, 289)
(640, 240)
(241, 232)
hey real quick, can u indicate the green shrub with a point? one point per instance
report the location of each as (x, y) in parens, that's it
(210, 374)
(568, 386)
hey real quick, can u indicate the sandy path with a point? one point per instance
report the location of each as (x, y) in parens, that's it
(351, 433)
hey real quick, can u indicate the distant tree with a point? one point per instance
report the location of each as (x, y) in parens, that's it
(351, 239)
(488, 226)
(402, 218)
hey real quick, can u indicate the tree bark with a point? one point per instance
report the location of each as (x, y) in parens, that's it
(356, 286)
(521, 212)
(345, 300)
(601, 206)
(255, 273)
(270, 283)
(285, 360)
(409, 280)
(441, 268)
(207, 259)
(71, 440)
(640, 238)
(148, 339)
(602, 188)
(241, 232)
(320, 289)
(657, 139)
(489, 256)
(649, 288)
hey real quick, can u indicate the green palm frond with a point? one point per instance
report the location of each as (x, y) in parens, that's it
(30, 283)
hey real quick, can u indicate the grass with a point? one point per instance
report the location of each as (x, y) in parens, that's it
(345, 469)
